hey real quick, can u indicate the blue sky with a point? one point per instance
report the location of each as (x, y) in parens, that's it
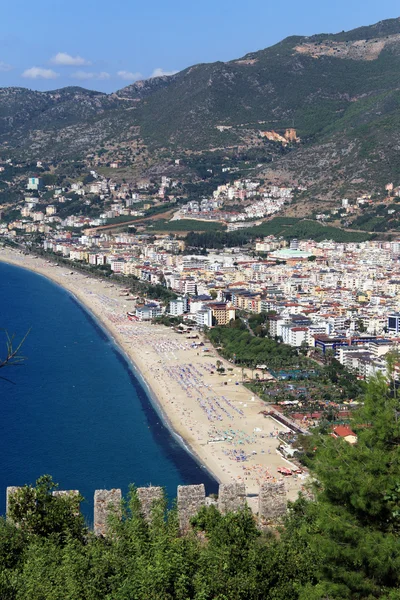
(106, 45)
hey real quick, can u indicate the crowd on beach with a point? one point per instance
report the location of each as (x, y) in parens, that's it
(215, 415)
(187, 385)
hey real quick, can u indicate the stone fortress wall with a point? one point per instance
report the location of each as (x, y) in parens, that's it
(190, 498)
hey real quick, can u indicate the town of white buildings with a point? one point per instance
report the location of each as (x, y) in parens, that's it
(343, 298)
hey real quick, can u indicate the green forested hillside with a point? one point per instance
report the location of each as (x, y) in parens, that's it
(340, 92)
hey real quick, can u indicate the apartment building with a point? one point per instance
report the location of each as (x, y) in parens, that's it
(222, 313)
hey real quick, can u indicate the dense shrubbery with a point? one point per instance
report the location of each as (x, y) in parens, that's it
(217, 239)
(236, 342)
(329, 383)
(225, 557)
(287, 227)
(187, 225)
(150, 291)
(342, 544)
(305, 229)
(377, 218)
(75, 206)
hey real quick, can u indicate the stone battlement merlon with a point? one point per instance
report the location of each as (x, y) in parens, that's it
(190, 499)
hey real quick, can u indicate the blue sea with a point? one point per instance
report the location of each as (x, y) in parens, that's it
(75, 408)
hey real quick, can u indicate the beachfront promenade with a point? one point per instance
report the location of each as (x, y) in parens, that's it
(216, 417)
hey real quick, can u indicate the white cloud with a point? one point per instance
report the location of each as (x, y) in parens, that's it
(85, 75)
(39, 73)
(4, 67)
(129, 76)
(66, 60)
(159, 72)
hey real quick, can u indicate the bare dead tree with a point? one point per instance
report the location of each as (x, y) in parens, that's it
(13, 355)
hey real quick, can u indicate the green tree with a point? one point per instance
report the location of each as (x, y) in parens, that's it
(360, 326)
(88, 179)
(303, 348)
(392, 358)
(354, 522)
(340, 542)
(38, 511)
(49, 179)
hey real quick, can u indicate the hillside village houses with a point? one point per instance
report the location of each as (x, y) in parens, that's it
(261, 202)
(256, 201)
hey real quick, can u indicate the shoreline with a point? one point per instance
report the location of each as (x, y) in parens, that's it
(224, 434)
(107, 331)
(154, 401)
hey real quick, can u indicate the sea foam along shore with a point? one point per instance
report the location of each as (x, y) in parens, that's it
(216, 417)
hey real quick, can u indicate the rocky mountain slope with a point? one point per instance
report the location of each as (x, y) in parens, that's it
(341, 92)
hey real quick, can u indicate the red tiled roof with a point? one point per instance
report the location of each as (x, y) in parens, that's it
(343, 431)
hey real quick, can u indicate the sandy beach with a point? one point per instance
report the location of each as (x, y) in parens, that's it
(216, 416)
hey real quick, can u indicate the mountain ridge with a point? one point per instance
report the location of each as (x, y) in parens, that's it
(339, 91)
